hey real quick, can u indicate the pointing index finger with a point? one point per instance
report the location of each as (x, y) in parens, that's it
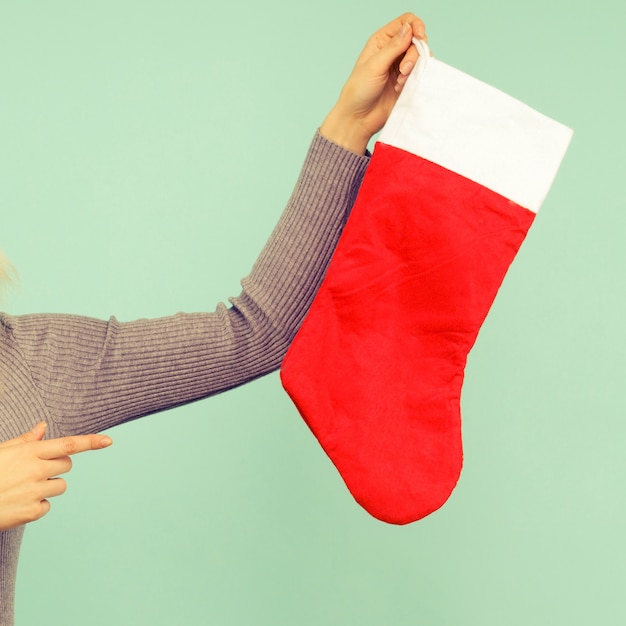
(66, 446)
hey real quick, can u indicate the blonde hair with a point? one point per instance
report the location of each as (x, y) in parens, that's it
(7, 273)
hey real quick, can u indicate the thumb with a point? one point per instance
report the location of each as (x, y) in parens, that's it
(395, 47)
(36, 434)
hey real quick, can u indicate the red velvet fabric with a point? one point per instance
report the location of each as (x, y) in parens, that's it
(377, 367)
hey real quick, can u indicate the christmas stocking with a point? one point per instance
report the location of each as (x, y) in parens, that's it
(376, 370)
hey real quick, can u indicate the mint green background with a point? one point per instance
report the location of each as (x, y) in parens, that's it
(146, 150)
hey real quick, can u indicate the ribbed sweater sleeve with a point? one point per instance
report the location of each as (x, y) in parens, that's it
(93, 374)
(85, 375)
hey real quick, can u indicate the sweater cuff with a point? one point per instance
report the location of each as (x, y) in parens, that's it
(319, 135)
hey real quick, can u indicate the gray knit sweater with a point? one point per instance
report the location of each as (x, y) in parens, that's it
(83, 375)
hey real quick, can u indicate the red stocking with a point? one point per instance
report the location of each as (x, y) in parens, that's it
(377, 368)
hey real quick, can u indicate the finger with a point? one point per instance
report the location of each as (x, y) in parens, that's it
(36, 434)
(396, 43)
(41, 510)
(400, 83)
(54, 487)
(393, 49)
(407, 65)
(418, 26)
(66, 446)
(410, 58)
(408, 62)
(57, 466)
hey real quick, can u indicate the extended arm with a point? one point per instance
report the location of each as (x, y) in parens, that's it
(93, 374)
(81, 375)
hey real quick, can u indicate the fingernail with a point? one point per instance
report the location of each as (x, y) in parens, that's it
(405, 29)
(406, 67)
(37, 428)
(105, 442)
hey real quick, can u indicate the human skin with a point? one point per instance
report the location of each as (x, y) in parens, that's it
(375, 83)
(30, 466)
(30, 469)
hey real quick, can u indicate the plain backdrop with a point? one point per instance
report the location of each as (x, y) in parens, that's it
(146, 150)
